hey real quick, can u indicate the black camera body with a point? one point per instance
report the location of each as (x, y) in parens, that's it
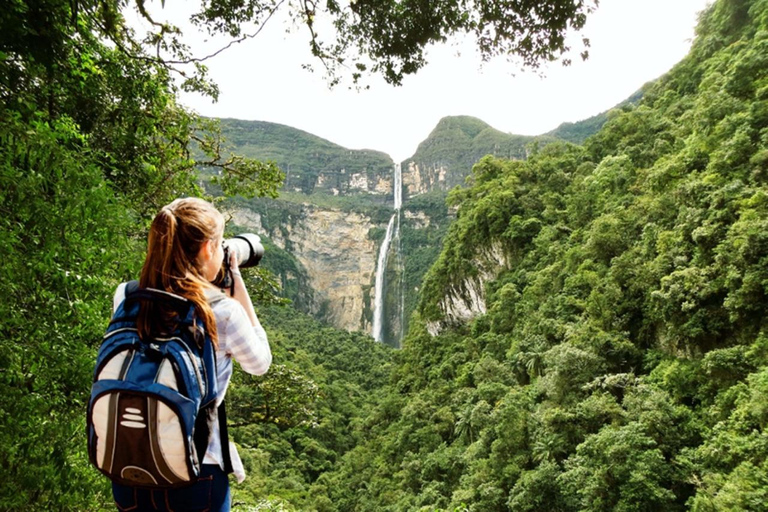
(248, 252)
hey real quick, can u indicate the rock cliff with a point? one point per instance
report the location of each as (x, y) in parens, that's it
(337, 254)
(466, 300)
(421, 179)
(343, 183)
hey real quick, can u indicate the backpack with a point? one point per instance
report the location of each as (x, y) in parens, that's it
(152, 402)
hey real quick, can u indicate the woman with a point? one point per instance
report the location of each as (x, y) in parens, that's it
(184, 256)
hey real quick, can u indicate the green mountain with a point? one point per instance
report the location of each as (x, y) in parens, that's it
(445, 158)
(309, 162)
(579, 131)
(325, 176)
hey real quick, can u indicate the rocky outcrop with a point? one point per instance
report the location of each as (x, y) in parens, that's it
(383, 185)
(344, 183)
(339, 259)
(421, 179)
(417, 219)
(466, 300)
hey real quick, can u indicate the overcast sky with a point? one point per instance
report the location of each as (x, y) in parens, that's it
(633, 41)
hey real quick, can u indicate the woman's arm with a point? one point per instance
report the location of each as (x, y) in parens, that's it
(246, 338)
(247, 342)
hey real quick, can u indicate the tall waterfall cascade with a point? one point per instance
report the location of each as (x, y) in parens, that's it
(393, 232)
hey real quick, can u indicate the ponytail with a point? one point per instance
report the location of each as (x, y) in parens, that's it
(176, 236)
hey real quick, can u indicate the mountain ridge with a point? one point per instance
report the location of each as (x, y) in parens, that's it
(338, 184)
(272, 141)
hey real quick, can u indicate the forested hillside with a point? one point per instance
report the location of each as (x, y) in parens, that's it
(295, 423)
(621, 363)
(579, 131)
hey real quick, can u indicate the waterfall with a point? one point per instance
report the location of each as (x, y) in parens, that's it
(381, 266)
(398, 187)
(393, 229)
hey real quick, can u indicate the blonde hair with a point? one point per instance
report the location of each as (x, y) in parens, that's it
(176, 236)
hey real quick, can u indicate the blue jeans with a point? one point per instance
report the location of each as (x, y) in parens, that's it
(209, 494)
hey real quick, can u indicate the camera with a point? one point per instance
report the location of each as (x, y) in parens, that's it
(248, 251)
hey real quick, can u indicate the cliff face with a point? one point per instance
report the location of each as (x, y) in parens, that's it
(419, 180)
(345, 183)
(339, 259)
(467, 300)
(326, 257)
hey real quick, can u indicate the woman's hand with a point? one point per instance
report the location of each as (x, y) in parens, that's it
(234, 271)
(239, 292)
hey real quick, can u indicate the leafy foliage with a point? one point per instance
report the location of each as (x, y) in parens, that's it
(294, 424)
(59, 261)
(91, 143)
(578, 132)
(620, 358)
(390, 38)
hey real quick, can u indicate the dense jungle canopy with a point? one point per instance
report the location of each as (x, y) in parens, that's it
(622, 363)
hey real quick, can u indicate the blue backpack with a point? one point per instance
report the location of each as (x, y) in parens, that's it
(152, 402)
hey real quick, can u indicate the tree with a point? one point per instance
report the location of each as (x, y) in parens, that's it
(91, 143)
(386, 37)
(283, 396)
(618, 469)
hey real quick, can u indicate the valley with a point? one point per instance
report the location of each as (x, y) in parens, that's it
(332, 215)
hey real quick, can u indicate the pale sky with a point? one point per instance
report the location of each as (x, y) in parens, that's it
(632, 42)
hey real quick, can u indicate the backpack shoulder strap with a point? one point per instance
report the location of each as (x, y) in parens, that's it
(214, 296)
(131, 287)
(133, 293)
(224, 433)
(123, 291)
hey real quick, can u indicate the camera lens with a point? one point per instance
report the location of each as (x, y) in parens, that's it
(247, 249)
